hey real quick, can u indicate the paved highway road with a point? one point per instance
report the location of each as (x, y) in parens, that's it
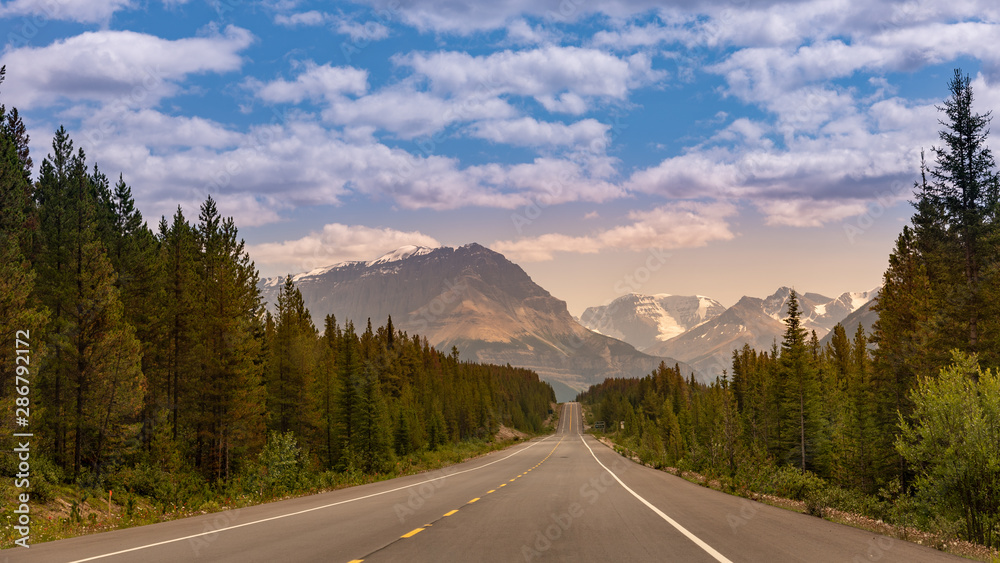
(559, 498)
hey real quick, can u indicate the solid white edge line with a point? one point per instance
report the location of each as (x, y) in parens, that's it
(708, 549)
(533, 444)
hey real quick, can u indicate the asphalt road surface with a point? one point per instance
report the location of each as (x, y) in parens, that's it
(565, 497)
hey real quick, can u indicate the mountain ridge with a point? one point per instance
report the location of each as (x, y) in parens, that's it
(758, 322)
(475, 299)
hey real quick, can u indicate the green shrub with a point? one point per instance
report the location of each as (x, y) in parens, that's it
(951, 439)
(793, 483)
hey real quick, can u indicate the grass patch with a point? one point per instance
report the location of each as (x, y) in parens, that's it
(144, 495)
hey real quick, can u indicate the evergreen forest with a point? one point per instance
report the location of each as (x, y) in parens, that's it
(151, 366)
(901, 425)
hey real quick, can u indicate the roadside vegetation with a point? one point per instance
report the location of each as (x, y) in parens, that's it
(145, 495)
(898, 427)
(144, 362)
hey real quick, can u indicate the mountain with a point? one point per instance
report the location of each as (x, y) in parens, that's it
(645, 320)
(476, 300)
(819, 313)
(758, 322)
(863, 315)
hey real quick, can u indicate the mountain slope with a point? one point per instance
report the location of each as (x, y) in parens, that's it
(709, 346)
(758, 322)
(645, 320)
(863, 315)
(476, 300)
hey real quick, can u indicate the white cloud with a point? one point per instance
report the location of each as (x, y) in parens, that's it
(310, 18)
(361, 31)
(681, 224)
(410, 113)
(800, 212)
(126, 67)
(461, 88)
(335, 243)
(83, 11)
(815, 178)
(152, 129)
(465, 18)
(315, 82)
(173, 160)
(520, 32)
(545, 73)
(358, 31)
(761, 74)
(528, 131)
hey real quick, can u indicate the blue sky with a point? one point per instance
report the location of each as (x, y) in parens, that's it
(717, 148)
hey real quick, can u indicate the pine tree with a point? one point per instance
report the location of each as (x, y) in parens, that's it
(966, 189)
(179, 342)
(349, 384)
(903, 335)
(230, 405)
(108, 378)
(17, 279)
(292, 362)
(54, 286)
(798, 390)
(327, 391)
(12, 128)
(372, 443)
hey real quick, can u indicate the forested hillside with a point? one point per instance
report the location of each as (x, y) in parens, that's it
(148, 351)
(904, 431)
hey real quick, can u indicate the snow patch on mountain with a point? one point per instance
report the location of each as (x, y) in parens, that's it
(859, 298)
(704, 304)
(401, 253)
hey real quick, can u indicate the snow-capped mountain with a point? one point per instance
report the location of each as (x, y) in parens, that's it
(401, 253)
(644, 320)
(476, 300)
(758, 322)
(862, 315)
(818, 312)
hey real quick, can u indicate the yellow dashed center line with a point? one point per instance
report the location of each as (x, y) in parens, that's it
(416, 531)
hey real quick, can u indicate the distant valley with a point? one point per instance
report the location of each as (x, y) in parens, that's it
(476, 300)
(490, 310)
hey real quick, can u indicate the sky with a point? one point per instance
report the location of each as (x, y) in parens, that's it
(720, 148)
